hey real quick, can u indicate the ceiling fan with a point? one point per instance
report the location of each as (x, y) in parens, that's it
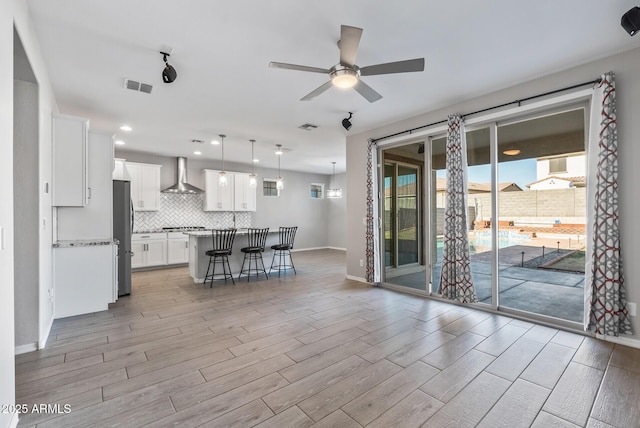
(347, 74)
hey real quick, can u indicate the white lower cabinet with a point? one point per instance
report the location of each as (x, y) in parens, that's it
(84, 279)
(177, 248)
(149, 249)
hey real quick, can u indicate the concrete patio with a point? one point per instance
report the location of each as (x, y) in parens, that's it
(541, 291)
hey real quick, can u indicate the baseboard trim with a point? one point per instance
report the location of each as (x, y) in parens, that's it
(620, 340)
(357, 278)
(337, 248)
(296, 250)
(13, 423)
(43, 339)
(23, 349)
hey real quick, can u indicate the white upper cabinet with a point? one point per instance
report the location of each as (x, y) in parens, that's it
(217, 198)
(95, 220)
(244, 195)
(145, 185)
(70, 169)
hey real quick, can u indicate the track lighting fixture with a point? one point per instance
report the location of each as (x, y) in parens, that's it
(168, 73)
(346, 122)
(631, 20)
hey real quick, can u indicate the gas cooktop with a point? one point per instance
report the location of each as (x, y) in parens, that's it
(182, 228)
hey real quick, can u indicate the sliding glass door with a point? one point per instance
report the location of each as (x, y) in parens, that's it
(402, 224)
(526, 207)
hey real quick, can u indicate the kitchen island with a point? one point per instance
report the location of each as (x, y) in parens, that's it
(200, 241)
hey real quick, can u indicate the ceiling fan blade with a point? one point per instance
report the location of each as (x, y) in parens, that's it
(394, 67)
(349, 42)
(298, 67)
(367, 91)
(311, 95)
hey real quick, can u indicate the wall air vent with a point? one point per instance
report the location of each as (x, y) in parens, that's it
(137, 86)
(308, 127)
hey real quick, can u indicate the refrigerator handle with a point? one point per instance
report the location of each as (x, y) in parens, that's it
(133, 215)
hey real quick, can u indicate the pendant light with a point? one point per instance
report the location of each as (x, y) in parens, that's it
(222, 179)
(334, 192)
(253, 179)
(279, 180)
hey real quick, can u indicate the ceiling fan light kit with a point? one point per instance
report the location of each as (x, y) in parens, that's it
(344, 77)
(347, 74)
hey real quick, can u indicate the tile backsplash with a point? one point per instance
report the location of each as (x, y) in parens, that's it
(186, 211)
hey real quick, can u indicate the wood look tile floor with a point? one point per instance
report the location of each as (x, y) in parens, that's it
(315, 349)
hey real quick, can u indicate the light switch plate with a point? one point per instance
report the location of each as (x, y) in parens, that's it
(631, 307)
(1, 237)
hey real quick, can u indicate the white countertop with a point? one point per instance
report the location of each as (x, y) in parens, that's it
(202, 233)
(84, 243)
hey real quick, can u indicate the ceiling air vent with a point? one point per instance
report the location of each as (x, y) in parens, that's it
(137, 86)
(308, 126)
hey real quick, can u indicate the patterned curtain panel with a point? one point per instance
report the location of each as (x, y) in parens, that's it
(606, 290)
(456, 282)
(373, 233)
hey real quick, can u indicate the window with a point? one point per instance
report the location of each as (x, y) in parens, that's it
(557, 165)
(317, 190)
(269, 187)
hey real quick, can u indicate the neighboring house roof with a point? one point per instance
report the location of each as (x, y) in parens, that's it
(441, 186)
(579, 181)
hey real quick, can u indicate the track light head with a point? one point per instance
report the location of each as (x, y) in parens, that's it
(346, 122)
(631, 21)
(169, 73)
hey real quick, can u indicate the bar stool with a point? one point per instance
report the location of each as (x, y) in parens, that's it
(283, 250)
(222, 244)
(256, 240)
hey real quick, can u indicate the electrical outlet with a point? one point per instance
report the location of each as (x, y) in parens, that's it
(361, 262)
(631, 307)
(364, 221)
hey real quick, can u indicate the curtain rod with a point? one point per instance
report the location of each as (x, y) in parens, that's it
(519, 102)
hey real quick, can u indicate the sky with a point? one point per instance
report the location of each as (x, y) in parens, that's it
(521, 172)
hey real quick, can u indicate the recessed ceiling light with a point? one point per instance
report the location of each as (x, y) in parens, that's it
(215, 142)
(256, 160)
(120, 142)
(197, 153)
(512, 152)
(126, 128)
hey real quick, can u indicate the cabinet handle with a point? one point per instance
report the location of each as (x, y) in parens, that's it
(186, 245)
(89, 193)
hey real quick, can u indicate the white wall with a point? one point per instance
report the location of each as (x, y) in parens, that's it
(15, 12)
(627, 69)
(25, 188)
(7, 386)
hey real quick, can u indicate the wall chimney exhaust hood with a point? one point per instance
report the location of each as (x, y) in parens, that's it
(181, 186)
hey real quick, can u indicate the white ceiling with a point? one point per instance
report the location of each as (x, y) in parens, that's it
(222, 49)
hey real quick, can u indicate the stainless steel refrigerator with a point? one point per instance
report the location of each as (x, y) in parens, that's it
(122, 229)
